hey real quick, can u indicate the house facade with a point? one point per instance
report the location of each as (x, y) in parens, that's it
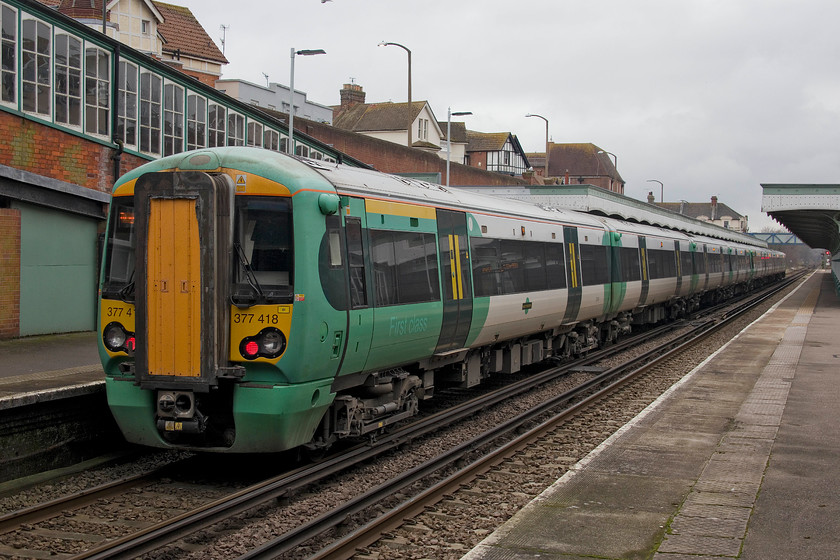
(715, 212)
(499, 152)
(578, 164)
(166, 32)
(96, 110)
(409, 124)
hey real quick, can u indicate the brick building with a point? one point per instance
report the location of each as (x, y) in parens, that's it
(578, 164)
(97, 110)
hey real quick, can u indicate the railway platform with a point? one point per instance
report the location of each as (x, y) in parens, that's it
(41, 368)
(737, 460)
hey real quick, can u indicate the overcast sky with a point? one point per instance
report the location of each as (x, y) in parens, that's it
(711, 97)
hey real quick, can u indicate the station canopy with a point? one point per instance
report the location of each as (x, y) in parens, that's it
(812, 212)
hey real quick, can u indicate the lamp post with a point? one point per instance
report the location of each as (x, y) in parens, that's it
(410, 112)
(305, 52)
(613, 155)
(661, 189)
(616, 164)
(449, 115)
(546, 142)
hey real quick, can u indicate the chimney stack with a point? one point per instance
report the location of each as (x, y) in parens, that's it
(651, 198)
(352, 94)
(714, 208)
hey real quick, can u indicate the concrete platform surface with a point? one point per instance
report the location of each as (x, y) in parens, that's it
(737, 460)
(39, 368)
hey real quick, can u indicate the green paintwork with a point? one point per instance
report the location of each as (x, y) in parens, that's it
(57, 271)
(266, 420)
(296, 176)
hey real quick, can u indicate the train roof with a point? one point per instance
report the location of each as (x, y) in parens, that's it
(368, 183)
(598, 201)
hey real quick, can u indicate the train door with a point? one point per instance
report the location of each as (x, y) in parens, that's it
(454, 246)
(359, 330)
(573, 279)
(679, 267)
(645, 277)
(183, 224)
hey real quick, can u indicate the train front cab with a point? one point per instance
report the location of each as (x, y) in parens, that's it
(196, 313)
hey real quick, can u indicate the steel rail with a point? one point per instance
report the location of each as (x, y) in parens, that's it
(609, 381)
(158, 535)
(163, 533)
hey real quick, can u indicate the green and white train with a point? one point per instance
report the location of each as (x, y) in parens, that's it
(254, 302)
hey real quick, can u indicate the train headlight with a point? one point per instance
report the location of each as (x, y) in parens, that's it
(117, 339)
(268, 343)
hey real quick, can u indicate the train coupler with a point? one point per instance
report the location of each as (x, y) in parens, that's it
(194, 425)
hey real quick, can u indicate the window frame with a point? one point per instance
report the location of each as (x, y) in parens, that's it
(64, 74)
(196, 119)
(235, 128)
(216, 136)
(172, 124)
(9, 70)
(40, 61)
(97, 91)
(123, 108)
(253, 137)
(153, 129)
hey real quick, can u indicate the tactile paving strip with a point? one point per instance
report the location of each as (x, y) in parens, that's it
(711, 521)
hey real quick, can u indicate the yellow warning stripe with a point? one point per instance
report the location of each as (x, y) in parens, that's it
(458, 269)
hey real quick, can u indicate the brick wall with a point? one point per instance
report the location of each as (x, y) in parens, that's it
(50, 152)
(393, 158)
(9, 273)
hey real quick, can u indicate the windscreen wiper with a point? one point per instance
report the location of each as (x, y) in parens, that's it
(249, 276)
(126, 293)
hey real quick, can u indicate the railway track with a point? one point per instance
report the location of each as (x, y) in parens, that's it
(425, 483)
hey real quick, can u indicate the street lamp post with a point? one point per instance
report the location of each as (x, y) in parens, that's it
(661, 189)
(449, 115)
(305, 52)
(410, 112)
(546, 142)
(616, 164)
(613, 155)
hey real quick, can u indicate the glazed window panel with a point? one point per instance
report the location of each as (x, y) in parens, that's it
(631, 264)
(535, 272)
(699, 261)
(68, 80)
(236, 129)
(216, 119)
(173, 119)
(404, 267)
(555, 266)
(97, 91)
(255, 134)
(661, 264)
(271, 140)
(35, 50)
(196, 121)
(686, 268)
(127, 104)
(356, 263)
(8, 55)
(150, 112)
(594, 264)
(512, 267)
(485, 263)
